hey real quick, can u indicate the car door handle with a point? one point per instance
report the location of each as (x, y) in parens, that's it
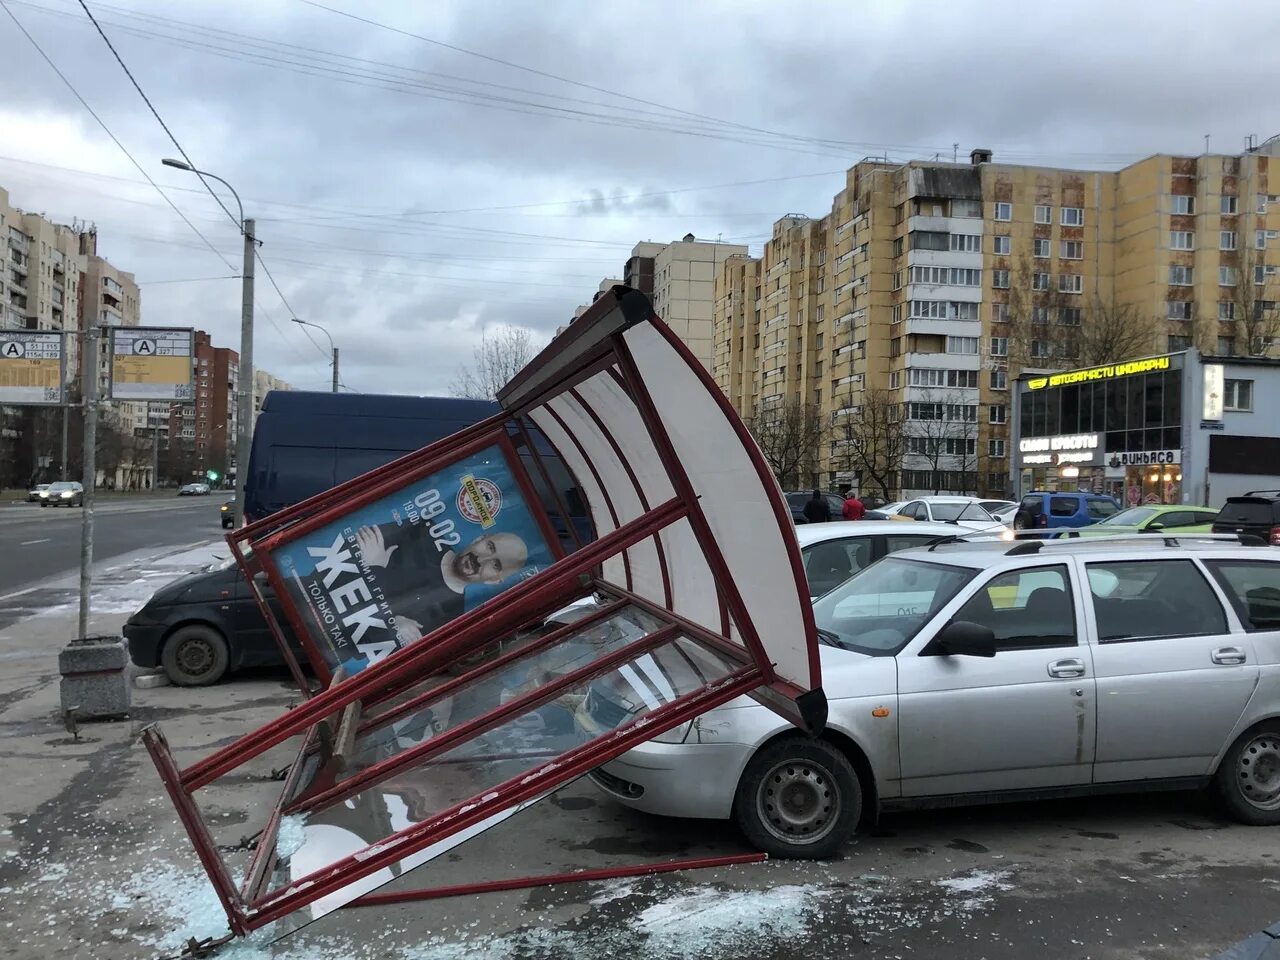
(1228, 655)
(1066, 668)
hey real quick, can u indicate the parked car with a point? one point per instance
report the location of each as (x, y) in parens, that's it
(1156, 518)
(797, 499)
(228, 513)
(33, 495)
(974, 672)
(1002, 510)
(189, 490)
(1256, 513)
(201, 627)
(64, 493)
(1043, 510)
(833, 552)
(962, 511)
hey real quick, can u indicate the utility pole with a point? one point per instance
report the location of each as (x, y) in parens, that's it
(155, 457)
(90, 380)
(66, 403)
(244, 406)
(335, 369)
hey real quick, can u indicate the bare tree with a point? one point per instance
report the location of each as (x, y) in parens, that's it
(1251, 305)
(870, 442)
(789, 435)
(500, 355)
(943, 440)
(1048, 328)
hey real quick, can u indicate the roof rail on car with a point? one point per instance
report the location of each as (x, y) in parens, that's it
(1168, 539)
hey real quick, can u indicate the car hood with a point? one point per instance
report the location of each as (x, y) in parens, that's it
(845, 674)
(209, 586)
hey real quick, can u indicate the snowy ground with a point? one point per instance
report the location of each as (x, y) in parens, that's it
(94, 865)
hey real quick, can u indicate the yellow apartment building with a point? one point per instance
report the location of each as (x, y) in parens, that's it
(897, 322)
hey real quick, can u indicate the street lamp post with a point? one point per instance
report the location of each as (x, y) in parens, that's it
(332, 349)
(244, 388)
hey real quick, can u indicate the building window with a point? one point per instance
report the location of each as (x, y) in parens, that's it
(1182, 240)
(895, 315)
(965, 345)
(1072, 250)
(1070, 283)
(1227, 205)
(1178, 344)
(964, 277)
(1237, 395)
(999, 313)
(966, 208)
(999, 413)
(1180, 276)
(1179, 310)
(818, 342)
(1226, 346)
(1000, 279)
(966, 243)
(897, 280)
(1003, 211)
(1260, 274)
(1073, 216)
(1001, 246)
(1039, 349)
(1040, 315)
(1228, 276)
(1069, 316)
(895, 379)
(1227, 240)
(1260, 204)
(1039, 281)
(1044, 213)
(1041, 247)
(1184, 205)
(999, 380)
(1226, 310)
(995, 448)
(999, 346)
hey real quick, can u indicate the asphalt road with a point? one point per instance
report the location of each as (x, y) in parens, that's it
(40, 544)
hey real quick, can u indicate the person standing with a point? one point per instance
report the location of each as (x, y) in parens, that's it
(816, 510)
(853, 508)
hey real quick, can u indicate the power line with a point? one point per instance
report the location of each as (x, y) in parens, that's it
(153, 283)
(114, 139)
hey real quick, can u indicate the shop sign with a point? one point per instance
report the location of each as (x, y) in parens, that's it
(1214, 387)
(1144, 458)
(1108, 371)
(1068, 448)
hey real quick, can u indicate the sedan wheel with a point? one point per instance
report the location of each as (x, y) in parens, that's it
(195, 656)
(1249, 778)
(798, 798)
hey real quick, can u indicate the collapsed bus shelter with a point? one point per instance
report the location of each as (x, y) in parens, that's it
(420, 594)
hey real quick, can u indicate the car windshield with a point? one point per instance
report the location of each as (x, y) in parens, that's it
(1129, 518)
(881, 608)
(60, 486)
(960, 511)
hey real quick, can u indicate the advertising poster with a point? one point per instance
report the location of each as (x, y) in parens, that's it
(151, 363)
(31, 367)
(390, 572)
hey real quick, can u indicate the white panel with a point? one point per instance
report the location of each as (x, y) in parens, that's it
(612, 569)
(732, 497)
(646, 573)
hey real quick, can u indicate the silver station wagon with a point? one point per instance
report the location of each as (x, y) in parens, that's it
(975, 672)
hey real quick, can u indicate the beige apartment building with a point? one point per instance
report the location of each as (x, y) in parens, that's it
(891, 328)
(680, 278)
(264, 383)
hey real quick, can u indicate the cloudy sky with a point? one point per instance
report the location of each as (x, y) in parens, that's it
(434, 169)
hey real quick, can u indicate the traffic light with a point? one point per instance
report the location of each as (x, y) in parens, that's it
(212, 475)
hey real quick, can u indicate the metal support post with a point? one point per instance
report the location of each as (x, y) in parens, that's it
(335, 369)
(90, 475)
(244, 396)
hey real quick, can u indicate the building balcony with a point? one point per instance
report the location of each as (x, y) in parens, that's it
(17, 281)
(944, 258)
(943, 291)
(945, 224)
(943, 361)
(19, 241)
(943, 328)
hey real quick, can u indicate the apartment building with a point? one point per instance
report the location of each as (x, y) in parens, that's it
(264, 383)
(39, 286)
(680, 278)
(929, 287)
(110, 298)
(202, 434)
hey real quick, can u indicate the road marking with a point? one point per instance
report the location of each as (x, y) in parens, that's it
(10, 596)
(27, 543)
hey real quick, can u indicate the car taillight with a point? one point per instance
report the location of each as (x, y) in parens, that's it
(1275, 536)
(1042, 520)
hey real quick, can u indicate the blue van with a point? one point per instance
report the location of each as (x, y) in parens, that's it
(1043, 510)
(306, 442)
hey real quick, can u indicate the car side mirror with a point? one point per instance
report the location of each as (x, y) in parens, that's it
(1154, 528)
(963, 638)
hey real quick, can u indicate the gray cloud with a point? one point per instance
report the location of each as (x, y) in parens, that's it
(505, 213)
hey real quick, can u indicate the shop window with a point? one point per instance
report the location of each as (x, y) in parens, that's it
(1237, 395)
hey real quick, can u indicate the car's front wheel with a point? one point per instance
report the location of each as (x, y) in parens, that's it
(798, 798)
(195, 656)
(1248, 780)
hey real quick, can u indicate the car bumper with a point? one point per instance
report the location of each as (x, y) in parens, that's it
(676, 779)
(145, 638)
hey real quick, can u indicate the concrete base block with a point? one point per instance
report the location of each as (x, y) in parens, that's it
(149, 681)
(95, 683)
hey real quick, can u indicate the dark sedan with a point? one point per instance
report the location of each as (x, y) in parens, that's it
(202, 627)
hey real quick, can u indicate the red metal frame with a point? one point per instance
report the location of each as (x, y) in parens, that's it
(286, 651)
(555, 879)
(530, 494)
(631, 475)
(511, 792)
(259, 867)
(459, 637)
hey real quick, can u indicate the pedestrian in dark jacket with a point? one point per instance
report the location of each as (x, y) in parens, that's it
(853, 508)
(817, 509)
